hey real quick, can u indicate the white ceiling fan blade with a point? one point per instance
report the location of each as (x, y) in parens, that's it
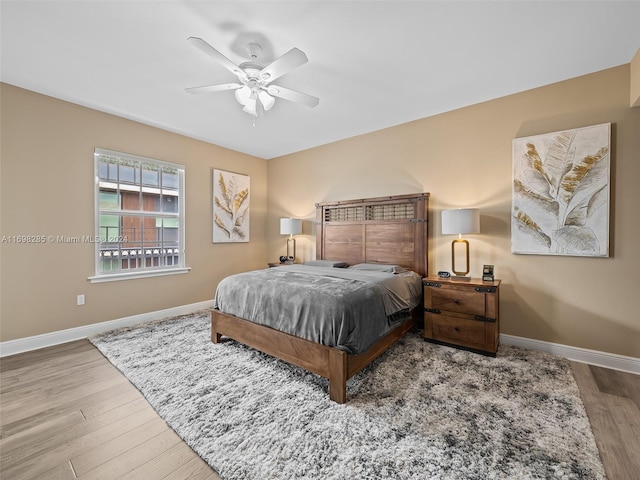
(203, 46)
(293, 96)
(287, 62)
(213, 88)
(266, 100)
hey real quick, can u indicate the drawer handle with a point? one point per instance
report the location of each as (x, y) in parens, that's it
(456, 301)
(457, 329)
(486, 289)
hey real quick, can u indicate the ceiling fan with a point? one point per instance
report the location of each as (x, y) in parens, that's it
(255, 91)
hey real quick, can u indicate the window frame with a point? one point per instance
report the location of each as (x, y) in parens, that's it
(138, 272)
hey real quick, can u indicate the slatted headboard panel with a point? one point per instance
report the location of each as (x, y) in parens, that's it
(375, 230)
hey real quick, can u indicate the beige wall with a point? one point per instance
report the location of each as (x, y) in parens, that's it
(47, 189)
(463, 158)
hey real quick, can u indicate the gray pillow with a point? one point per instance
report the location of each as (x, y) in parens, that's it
(379, 267)
(327, 263)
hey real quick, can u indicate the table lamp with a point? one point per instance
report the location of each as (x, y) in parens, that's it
(291, 227)
(459, 221)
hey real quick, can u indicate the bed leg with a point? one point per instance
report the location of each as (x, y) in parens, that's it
(337, 376)
(215, 336)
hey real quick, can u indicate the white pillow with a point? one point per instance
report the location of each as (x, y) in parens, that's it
(379, 267)
(326, 263)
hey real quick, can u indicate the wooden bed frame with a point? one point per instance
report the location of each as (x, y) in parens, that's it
(390, 230)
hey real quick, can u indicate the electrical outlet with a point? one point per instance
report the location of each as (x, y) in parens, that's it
(80, 299)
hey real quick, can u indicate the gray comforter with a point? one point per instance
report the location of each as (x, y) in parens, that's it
(343, 308)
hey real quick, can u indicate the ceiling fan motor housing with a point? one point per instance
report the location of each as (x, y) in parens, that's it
(254, 50)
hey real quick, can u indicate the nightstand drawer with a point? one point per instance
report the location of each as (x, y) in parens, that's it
(459, 331)
(458, 300)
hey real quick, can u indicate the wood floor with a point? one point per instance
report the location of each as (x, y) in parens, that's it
(66, 413)
(612, 401)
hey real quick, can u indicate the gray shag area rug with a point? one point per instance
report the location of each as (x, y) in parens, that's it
(421, 411)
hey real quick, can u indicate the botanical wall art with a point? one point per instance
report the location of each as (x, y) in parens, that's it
(230, 207)
(561, 193)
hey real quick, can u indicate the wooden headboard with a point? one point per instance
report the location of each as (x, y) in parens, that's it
(375, 230)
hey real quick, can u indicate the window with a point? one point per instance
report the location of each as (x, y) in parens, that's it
(139, 216)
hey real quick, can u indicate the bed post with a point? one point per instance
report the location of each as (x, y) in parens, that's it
(215, 336)
(338, 375)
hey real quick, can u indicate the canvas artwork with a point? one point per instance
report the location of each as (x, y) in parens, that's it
(230, 207)
(560, 194)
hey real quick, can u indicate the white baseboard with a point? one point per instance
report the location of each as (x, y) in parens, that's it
(11, 347)
(593, 357)
(584, 355)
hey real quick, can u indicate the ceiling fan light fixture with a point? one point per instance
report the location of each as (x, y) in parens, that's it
(243, 95)
(250, 107)
(266, 100)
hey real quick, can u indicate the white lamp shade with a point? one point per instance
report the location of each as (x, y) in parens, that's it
(290, 226)
(243, 94)
(460, 220)
(266, 99)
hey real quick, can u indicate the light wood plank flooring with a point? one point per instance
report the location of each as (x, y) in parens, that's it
(66, 413)
(612, 401)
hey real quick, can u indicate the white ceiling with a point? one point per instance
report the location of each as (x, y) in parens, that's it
(373, 64)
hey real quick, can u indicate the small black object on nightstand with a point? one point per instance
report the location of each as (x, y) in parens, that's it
(487, 273)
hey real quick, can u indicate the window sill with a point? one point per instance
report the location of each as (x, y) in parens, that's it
(114, 277)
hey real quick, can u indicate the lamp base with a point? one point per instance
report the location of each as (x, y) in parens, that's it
(460, 279)
(291, 249)
(465, 245)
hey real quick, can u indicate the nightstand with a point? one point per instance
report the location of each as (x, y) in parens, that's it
(462, 313)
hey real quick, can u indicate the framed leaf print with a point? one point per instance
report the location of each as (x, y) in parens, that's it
(230, 207)
(560, 193)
